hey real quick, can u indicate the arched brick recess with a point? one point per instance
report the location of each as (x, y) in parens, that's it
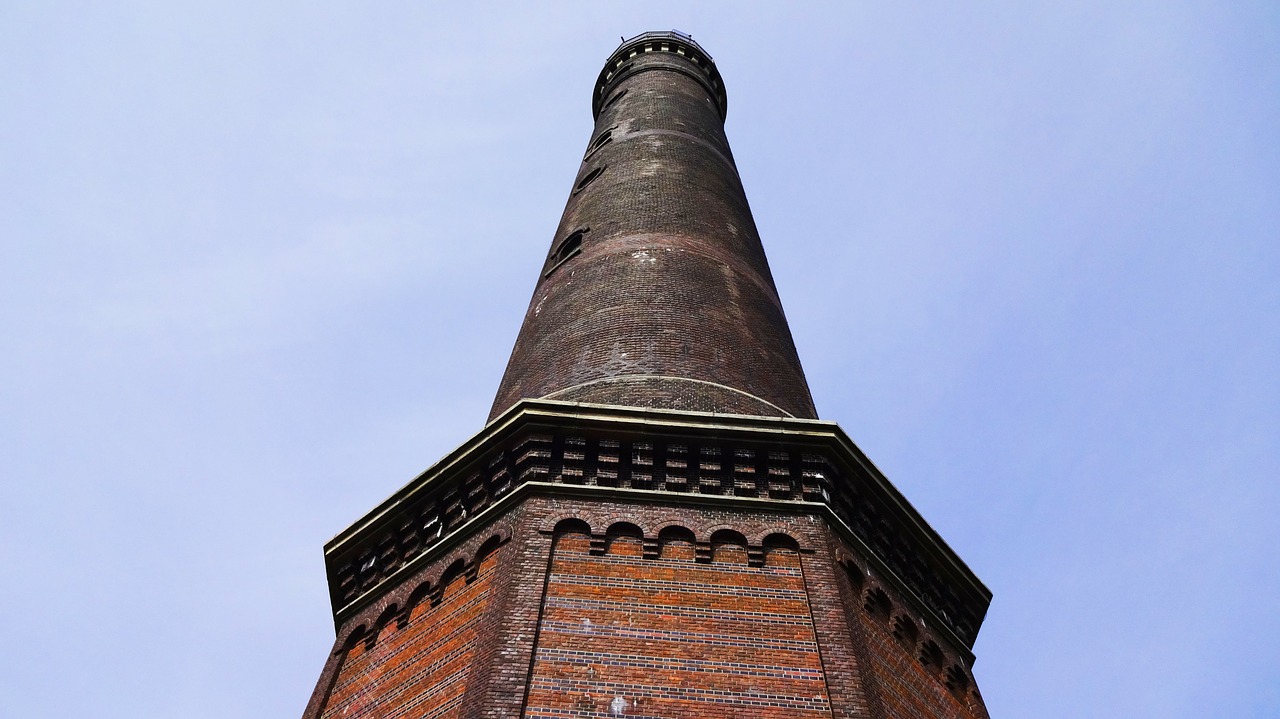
(403, 628)
(651, 622)
(893, 641)
(418, 662)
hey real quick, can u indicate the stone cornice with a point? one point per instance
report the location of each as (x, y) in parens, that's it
(785, 463)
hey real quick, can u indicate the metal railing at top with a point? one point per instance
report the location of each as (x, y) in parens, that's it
(666, 35)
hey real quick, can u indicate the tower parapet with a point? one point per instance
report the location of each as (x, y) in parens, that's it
(619, 66)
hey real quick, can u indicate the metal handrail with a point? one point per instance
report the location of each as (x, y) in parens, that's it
(669, 34)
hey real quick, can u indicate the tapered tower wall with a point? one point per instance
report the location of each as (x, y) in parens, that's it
(656, 291)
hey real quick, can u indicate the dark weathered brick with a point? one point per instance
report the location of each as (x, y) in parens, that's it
(669, 301)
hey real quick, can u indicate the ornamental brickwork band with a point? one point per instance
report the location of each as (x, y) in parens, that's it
(654, 523)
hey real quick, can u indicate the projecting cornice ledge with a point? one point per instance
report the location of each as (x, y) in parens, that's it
(686, 457)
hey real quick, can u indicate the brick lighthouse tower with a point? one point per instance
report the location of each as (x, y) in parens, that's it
(654, 522)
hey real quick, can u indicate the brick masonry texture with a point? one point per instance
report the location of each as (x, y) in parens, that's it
(642, 456)
(566, 608)
(909, 672)
(656, 291)
(654, 524)
(671, 637)
(417, 666)
(424, 644)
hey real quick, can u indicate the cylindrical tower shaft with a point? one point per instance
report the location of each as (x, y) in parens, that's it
(656, 292)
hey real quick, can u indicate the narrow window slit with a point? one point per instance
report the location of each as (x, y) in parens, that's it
(591, 176)
(567, 248)
(616, 96)
(604, 139)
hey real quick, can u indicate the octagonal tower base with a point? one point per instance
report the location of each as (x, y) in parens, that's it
(577, 561)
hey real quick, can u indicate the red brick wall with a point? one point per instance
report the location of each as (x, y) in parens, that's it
(670, 637)
(419, 670)
(571, 612)
(910, 673)
(908, 689)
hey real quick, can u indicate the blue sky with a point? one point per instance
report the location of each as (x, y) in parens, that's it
(261, 263)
